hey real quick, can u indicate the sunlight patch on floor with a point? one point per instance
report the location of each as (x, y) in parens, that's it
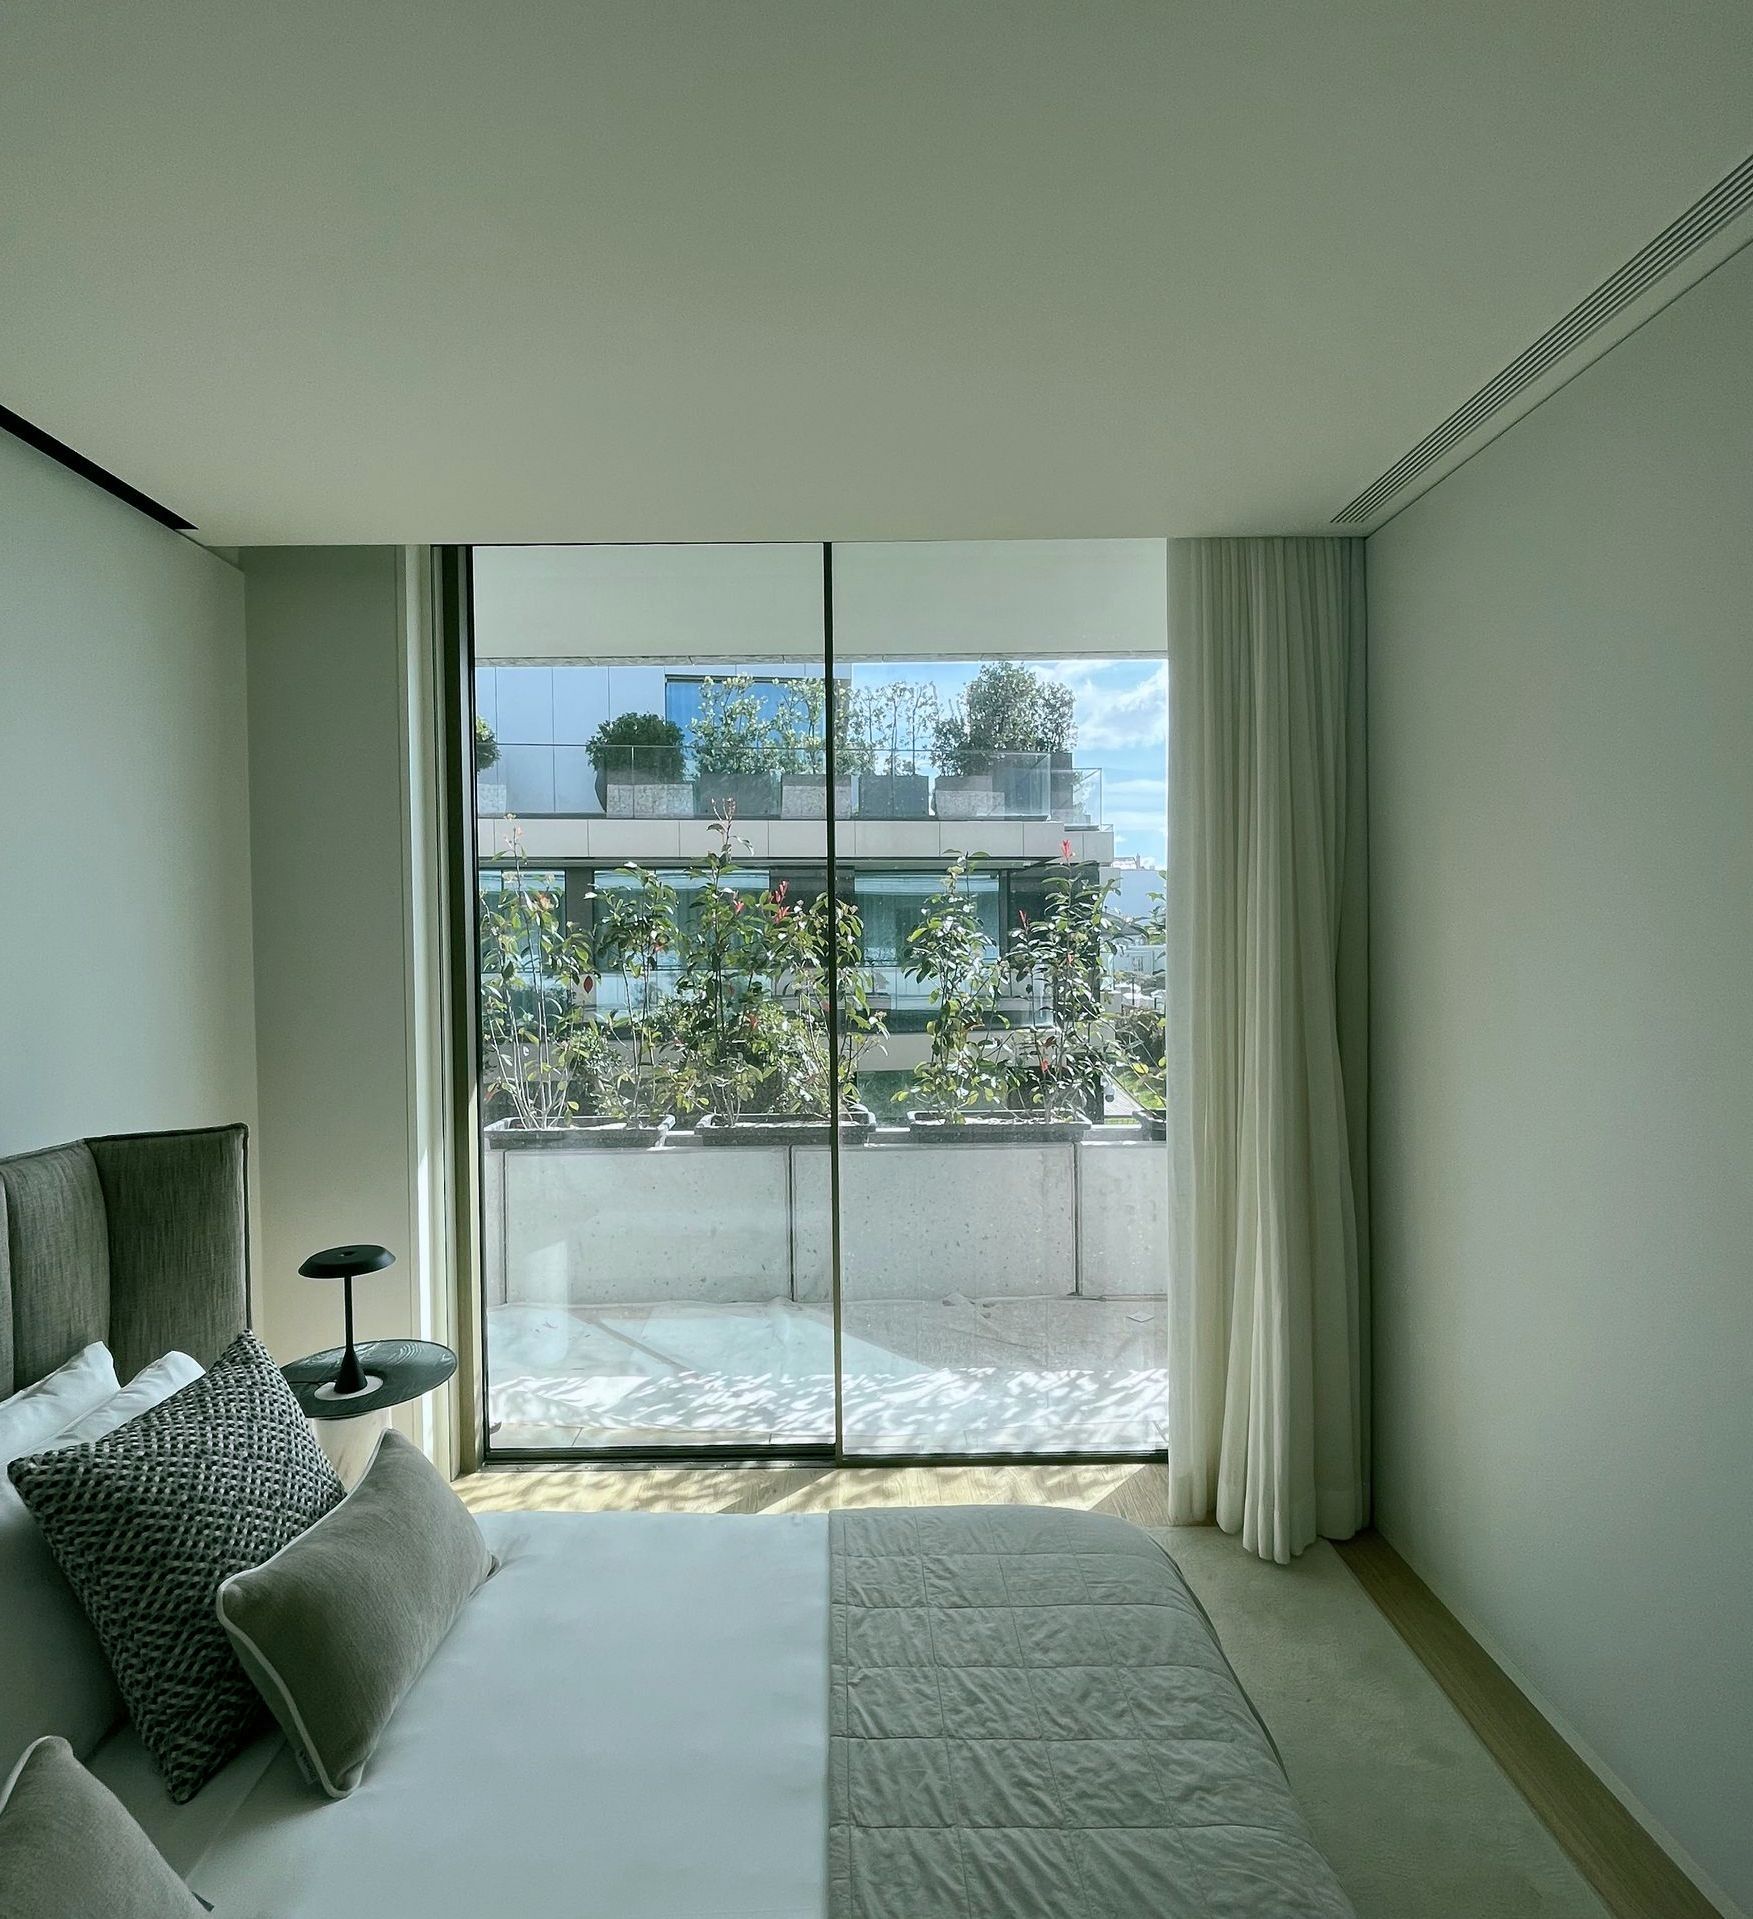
(921, 1376)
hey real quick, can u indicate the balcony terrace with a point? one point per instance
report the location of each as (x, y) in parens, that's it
(642, 804)
(681, 1295)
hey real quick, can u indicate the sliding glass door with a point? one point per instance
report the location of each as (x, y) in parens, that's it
(820, 997)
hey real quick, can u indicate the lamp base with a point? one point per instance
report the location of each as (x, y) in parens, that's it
(332, 1389)
(350, 1375)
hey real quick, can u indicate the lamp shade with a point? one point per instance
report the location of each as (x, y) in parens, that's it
(347, 1262)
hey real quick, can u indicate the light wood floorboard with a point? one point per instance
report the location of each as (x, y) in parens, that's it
(1137, 1493)
(1634, 1877)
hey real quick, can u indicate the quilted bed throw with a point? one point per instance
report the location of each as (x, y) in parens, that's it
(1032, 1719)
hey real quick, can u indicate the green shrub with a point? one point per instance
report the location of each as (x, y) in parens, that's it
(659, 742)
(1007, 708)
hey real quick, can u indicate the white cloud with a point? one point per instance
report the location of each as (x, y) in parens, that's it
(1114, 706)
(1129, 821)
(1148, 792)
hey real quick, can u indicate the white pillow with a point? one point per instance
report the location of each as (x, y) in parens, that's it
(149, 1387)
(53, 1675)
(29, 1418)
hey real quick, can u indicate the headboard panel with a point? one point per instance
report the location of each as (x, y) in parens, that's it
(57, 1258)
(178, 1242)
(137, 1239)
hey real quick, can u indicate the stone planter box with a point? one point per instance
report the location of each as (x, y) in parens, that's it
(804, 796)
(626, 799)
(1004, 1129)
(857, 1124)
(592, 1131)
(968, 796)
(894, 796)
(1153, 1125)
(755, 796)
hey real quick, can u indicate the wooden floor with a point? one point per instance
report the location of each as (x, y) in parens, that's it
(1634, 1878)
(1137, 1493)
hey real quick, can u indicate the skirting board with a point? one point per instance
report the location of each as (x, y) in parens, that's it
(1632, 1874)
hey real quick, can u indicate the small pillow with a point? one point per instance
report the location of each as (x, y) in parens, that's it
(149, 1387)
(337, 1626)
(29, 1417)
(69, 1848)
(56, 1677)
(147, 1521)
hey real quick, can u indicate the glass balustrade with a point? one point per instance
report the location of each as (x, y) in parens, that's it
(663, 783)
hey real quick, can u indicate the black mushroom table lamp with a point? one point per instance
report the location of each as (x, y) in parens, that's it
(346, 1263)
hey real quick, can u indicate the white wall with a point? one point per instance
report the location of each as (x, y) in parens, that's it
(328, 828)
(1561, 732)
(125, 992)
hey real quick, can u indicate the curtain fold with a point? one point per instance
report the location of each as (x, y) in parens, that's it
(1267, 1017)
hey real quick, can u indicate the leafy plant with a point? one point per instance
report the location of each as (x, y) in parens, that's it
(947, 953)
(1059, 1066)
(800, 730)
(897, 722)
(731, 733)
(720, 1022)
(645, 742)
(804, 944)
(636, 927)
(542, 1049)
(1007, 708)
(486, 746)
(1139, 1039)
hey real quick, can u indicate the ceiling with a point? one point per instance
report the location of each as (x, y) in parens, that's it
(731, 269)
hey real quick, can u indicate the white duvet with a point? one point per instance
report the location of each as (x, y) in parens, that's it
(628, 1722)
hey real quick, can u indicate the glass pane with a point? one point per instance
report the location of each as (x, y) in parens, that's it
(654, 1030)
(1008, 741)
(526, 705)
(527, 775)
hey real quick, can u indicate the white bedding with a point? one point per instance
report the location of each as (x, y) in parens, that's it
(628, 1722)
(186, 1833)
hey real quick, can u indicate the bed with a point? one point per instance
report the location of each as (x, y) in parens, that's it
(923, 1714)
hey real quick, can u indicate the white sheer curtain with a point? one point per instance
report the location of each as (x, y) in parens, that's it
(1266, 1030)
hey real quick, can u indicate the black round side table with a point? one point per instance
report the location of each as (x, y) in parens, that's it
(396, 1370)
(402, 1368)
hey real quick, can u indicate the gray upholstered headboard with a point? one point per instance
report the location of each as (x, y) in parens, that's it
(139, 1239)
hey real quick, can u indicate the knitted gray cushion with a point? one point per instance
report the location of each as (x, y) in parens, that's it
(147, 1521)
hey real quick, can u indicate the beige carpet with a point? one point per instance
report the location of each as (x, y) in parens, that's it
(1409, 1807)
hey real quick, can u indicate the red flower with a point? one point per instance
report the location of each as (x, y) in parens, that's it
(1065, 851)
(780, 891)
(738, 905)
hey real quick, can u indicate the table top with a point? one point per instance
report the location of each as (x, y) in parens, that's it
(403, 1368)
